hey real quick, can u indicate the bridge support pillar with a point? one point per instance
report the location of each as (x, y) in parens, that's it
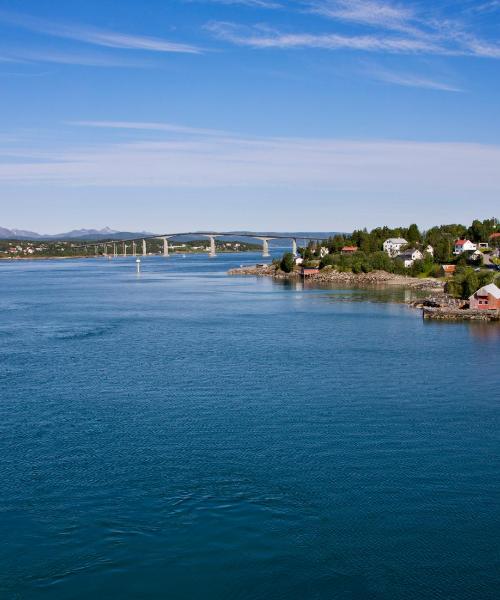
(144, 249)
(105, 250)
(265, 245)
(134, 249)
(124, 249)
(115, 253)
(211, 252)
(165, 244)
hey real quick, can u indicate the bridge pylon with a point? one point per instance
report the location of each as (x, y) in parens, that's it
(211, 237)
(265, 245)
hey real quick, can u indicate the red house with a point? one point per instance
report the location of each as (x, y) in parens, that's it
(308, 271)
(349, 249)
(486, 298)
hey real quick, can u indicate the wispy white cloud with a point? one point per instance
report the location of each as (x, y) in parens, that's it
(252, 3)
(411, 80)
(261, 37)
(67, 57)
(366, 12)
(485, 7)
(397, 28)
(370, 167)
(149, 126)
(95, 36)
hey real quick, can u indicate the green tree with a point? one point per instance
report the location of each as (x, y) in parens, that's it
(470, 284)
(413, 234)
(287, 262)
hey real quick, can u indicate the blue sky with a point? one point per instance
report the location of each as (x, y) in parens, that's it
(248, 114)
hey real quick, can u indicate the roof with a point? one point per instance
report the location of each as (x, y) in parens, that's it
(488, 290)
(408, 253)
(462, 242)
(396, 241)
(494, 235)
(353, 248)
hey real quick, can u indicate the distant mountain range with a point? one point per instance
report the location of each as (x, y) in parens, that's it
(75, 234)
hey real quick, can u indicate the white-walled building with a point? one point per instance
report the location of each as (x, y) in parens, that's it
(410, 256)
(464, 246)
(393, 246)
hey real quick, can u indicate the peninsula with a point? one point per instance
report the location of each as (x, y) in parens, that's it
(459, 264)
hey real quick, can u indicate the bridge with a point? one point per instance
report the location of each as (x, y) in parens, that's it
(138, 245)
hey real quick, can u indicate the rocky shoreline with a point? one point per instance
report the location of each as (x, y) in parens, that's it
(328, 275)
(445, 313)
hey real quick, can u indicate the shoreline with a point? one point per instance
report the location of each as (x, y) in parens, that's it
(371, 279)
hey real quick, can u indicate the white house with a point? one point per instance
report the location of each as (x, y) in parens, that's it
(323, 251)
(464, 246)
(429, 250)
(410, 256)
(393, 246)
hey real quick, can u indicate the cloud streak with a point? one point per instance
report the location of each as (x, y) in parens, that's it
(260, 37)
(411, 80)
(397, 28)
(366, 168)
(149, 126)
(95, 36)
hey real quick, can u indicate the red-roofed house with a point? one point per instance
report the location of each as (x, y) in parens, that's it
(349, 249)
(464, 246)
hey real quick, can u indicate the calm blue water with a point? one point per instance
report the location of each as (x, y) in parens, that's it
(184, 434)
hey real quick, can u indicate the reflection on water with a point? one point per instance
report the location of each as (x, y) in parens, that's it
(342, 292)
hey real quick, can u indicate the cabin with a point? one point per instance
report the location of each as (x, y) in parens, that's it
(448, 270)
(349, 249)
(464, 246)
(308, 271)
(486, 298)
(393, 246)
(410, 256)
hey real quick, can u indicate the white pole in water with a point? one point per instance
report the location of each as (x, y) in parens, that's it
(138, 266)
